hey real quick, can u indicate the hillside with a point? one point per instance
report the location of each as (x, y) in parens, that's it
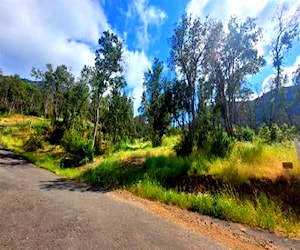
(257, 112)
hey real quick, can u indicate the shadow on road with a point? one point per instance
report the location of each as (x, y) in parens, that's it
(64, 184)
(9, 158)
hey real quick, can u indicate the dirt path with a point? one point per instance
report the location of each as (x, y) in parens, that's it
(40, 210)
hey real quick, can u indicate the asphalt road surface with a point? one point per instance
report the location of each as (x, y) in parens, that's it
(39, 210)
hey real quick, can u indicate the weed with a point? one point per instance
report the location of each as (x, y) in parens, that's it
(166, 169)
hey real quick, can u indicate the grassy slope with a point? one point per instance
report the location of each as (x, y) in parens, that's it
(148, 179)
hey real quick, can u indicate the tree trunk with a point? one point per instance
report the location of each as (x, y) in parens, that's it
(96, 124)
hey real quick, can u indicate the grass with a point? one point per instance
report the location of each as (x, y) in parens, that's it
(226, 205)
(254, 160)
(149, 172)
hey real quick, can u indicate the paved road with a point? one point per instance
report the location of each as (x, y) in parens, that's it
(39, 210)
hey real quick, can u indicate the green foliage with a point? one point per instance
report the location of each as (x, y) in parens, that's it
(33, 144)
(227, 205)
(118, 118)
(231, 175)
(105, 75)
(156, 102)
(199, 165)
(264, 134)
(109, 174)
(251, 153)
(221, 144)
(245, 134)
(288, 133)
(80, 150)
(166, 169)
(275, 134)
(55, 133)
(185, 146)
(19, 96)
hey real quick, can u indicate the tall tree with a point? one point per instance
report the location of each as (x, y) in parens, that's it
(287, 29)
(119, 123)
(155, 102)
(237, 58)
(190, 46)
(106, 71)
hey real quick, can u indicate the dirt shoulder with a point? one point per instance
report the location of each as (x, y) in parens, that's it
(231, 235)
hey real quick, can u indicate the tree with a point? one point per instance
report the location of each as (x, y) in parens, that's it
(191, 44)
(155, 102)
(65, 99)
(287, 29)
(296, 76)
(107, 69)
(119, 123)
(236, 58)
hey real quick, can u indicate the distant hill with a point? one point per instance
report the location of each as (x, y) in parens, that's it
(287, 109)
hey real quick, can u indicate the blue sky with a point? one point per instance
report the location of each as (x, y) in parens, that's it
(67, 31)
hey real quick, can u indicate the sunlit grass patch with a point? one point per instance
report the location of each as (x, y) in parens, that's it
(262, 212)
(18, 119)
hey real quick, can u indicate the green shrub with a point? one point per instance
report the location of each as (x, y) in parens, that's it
(221, 144)
(288, 133)
(199, 165)
(245, 134)
(185, 146)
(264, 134)
(33, 144)
(109, 174)
(276, 134)
(166, 169)
(55, 134)
(80, 150)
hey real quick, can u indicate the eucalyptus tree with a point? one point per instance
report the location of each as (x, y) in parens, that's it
(54, 84)
(106, 71)
(287, 30)
(191, 45)
(236, 58)
(156, 101)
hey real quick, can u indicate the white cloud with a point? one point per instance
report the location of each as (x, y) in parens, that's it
(39, 32)
(291, 69)
(263, 10)
(147, 15)
(267, 83)
(224, 9)
(64, 32)
(136, 64)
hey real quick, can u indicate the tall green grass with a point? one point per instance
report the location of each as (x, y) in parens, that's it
(262, 212)
(166, 169)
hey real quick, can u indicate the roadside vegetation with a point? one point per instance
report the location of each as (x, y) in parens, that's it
(247, 186)
(198, 141)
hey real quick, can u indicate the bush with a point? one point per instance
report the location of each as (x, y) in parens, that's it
(185, 146)
(276, 134)
(264, 134)
(288, 133)
(245, 134)
(80, 149)
(33, 144)
(166, 169)
(221, 144)
(55, 135)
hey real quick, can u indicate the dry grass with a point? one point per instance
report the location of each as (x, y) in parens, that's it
(264, 162)
(18, 119)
